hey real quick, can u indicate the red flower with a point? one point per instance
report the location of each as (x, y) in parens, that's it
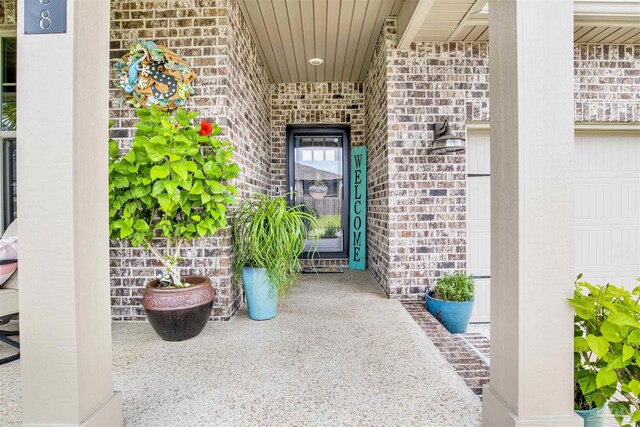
(205, 128)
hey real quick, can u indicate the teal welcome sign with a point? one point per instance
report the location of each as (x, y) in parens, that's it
(358, 226)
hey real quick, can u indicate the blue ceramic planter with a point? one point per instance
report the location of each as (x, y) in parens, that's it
(592, 417)
(453, 315)
(262, 295)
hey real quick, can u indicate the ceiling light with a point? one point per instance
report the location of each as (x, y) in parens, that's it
(315, 61)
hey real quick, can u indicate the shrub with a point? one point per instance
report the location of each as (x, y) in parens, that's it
(607, 348)
(455, 287)
(171, 182)
(330, 231)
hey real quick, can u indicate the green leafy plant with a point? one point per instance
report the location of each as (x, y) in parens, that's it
(9, 114)
(455, 287)
(330, 231)
(268, 233)
(171, 182)
(607, 349)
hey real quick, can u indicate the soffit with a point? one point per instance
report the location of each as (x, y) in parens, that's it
(341, 32)
(595, 21)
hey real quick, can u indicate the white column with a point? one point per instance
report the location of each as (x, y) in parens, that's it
(66, 361)
(531, 60)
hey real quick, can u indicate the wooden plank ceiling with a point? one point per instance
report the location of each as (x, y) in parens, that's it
(341, 32)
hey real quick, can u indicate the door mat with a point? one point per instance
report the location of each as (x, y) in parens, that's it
(307, 270)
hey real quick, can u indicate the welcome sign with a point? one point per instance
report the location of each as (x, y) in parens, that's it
(358, 226)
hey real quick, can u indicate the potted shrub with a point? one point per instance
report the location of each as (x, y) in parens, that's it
(583, 405)
(268, 238)
(607, 352)
(167, 190)
(451, 301)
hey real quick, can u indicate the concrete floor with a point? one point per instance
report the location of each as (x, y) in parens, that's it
(339, 353)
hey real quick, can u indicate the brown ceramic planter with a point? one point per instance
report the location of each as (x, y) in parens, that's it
(181, 313)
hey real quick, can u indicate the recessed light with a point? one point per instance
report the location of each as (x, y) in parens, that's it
(315, 61)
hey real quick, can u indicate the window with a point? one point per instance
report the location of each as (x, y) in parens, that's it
(8, 124)
(8, 74)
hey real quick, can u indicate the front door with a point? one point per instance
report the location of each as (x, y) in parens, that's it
(318, 178)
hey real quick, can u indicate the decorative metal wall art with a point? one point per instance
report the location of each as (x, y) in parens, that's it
(151, 74)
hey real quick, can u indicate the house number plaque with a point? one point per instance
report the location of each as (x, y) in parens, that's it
(45, 16)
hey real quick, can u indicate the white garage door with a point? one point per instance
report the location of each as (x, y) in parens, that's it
(607, 212)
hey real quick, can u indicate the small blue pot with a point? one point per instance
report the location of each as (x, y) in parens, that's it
(591, 417)
(261, 294)
(453, 315)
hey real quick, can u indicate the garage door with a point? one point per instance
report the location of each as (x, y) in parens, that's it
(607, 212)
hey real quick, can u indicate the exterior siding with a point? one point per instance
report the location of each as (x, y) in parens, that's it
(416, 226)
(377, 134)
(435, 81)
(432, 82)
(232, 88)
(607, 83)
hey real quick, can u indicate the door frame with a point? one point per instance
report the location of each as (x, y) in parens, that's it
(343, 130)
(6, 137)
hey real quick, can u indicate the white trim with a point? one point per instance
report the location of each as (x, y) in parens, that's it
(595, 13)
(609, 8)
(476, 9)
(580, 127)
(8, 30)
(475, 126)
(592, 127)
(418, 16)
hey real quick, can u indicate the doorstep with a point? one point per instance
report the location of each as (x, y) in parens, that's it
(468, 353)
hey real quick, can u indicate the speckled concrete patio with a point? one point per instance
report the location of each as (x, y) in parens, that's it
(338, 354)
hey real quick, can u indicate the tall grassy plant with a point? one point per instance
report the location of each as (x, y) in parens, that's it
(455, 287)
(269, 233)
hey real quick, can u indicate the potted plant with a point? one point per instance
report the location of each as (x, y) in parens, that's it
(607, 352)
(583, 405)
(171, 185)
(268, 238)
(451, 301)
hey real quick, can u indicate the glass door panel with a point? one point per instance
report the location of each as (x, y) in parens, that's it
(8, 50)
(317, 180)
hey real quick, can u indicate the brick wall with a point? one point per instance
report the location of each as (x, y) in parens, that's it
(212, 35)
(435, 81)
(377, 134)
(7, 12)
(313, 103)
(607, 83)
(416, 202)
(427, 220)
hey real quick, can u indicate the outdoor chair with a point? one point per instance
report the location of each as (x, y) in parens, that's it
(9, 302)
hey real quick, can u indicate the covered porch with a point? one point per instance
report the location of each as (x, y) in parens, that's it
(344, 349)
(339, 353)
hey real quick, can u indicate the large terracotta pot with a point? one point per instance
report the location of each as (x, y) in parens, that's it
(181, 313)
